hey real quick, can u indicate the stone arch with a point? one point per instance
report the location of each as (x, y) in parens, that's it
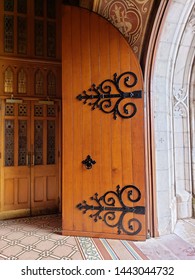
(170, 94)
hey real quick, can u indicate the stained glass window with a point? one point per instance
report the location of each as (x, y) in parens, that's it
(8, 80)
(22, 142)
(22, 81)
(51, 9)
(38, 142)
(39, 39)
(22, 6)
(9, 5)
(22, 35)
(39, 83)
(51, 142)
(39, 8)
(9, 142)
(51, 84)
(51, 39)
(9, 34)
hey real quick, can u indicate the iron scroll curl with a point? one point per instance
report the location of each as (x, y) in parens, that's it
(111, 96)
(114, 212)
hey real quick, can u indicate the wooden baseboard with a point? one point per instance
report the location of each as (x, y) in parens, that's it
(5, 215)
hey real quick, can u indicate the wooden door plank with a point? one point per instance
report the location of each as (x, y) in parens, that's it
(106, 128)
(136, 155)
(78, 117)
(86, 124)
(115, 124)
(125, 65)
(67, 120)
(96, 116)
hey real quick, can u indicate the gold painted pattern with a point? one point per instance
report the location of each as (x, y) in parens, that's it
(130, 17)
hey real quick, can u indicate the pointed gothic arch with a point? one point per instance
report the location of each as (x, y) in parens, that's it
(170, 99)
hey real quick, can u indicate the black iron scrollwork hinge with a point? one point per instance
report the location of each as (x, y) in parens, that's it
(102, 96)
(111, 209)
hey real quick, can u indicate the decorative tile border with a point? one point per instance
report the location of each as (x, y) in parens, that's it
(88, 248)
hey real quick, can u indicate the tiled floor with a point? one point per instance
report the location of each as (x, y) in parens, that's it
(39, 238)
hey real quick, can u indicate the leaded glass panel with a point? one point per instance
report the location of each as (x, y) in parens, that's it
(51, 39)
(9, 142)
(51, 111)
(8, 5)
(39, 83)
(51, 142)
(51, 84)
(38, 142)
(22, 6)
(9, 109)
(22, 110)
(51, 9)
(8, 80)
(22, 142)
(22, 35)
(38, 110)
(39, 38)
(22, 81)
(8, 34)
(39, 8)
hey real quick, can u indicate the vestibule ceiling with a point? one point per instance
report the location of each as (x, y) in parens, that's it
(133, 18)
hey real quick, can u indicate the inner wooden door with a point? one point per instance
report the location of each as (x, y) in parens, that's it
(103, 162)
(30, 162)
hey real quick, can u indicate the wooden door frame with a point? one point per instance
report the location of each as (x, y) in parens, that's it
(151, 188)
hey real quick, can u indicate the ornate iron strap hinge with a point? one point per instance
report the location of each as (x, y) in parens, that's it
(111, 209)
(103, 95)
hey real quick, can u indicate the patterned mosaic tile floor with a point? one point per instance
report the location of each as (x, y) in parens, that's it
(39, 238)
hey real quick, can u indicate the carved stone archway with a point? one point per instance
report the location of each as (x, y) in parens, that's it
(170, 91)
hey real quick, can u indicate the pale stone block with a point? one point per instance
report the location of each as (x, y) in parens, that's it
(179, 155)
(163, 180)
(178, 124)
(161, 141)
(179, 171)
(163, 203)
(181, 64)
(179, 140)
(168, 32)
(188, 37)
(160, 121)
(164, 225)
(173, 208)
(164, 50)
(161, 67)
(159, 87)
(160, 104)
(175, 12)
(162, 160)
(184, 204)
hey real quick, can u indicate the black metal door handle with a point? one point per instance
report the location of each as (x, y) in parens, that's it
(88, 162)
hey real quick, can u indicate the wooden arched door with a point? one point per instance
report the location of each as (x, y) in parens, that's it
(103, 163)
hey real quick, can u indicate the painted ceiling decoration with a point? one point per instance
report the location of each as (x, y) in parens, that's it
(129, 16)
